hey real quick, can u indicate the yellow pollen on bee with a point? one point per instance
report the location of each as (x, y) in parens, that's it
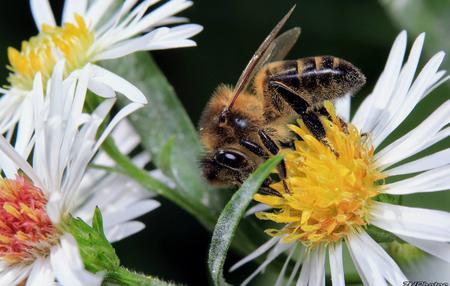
(330, 185)
(41, 52)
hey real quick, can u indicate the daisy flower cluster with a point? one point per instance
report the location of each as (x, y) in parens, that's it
(336, 191)
(90, 31)
(50, 134)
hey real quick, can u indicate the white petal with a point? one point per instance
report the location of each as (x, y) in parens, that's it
(362, 113)
(96, 11)
(414, 222)
(101, 89)
(434, 180)
(42, 13)
(429, 162)
(161, 38)
(25, 128)
(399, 95)
(83, 147)
(118, 84)
(438, 249)
(151, 19)
(54, 206)
(384, 87)
(428, 268)
(124, 112)
(257, 208)
(285, 265)
(415, 140)
(336, 264)
(374, 265)
(20, 162)
(296, 266)
(313, 270)
(120, 231)
(14, 275)
(305, 272)
(342, 107)
(10, 102)
(274, 253)
(41, 273)
(68, 266)
(72, 7)
(405, 105)
(115, 216)
(256, 253)
(126, 136)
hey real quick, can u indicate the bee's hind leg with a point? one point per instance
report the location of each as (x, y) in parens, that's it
(300, 106)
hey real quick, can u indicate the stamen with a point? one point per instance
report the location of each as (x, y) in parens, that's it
(330, 185)
(40, 53)
(26, 231)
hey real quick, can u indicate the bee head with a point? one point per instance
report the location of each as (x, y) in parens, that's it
(226, 167)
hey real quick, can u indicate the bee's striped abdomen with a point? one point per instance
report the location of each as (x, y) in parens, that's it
(314, 79)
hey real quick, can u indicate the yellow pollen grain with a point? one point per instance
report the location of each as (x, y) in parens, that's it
(40, 53)
(9, 208)
(21, 236)
(4, 239)
(331, 185)
(28, 211)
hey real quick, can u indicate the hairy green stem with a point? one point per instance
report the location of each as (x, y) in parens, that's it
(129, 169)
(123, 276)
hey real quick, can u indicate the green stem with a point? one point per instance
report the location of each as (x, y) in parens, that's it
(129, 169)
(123, 276)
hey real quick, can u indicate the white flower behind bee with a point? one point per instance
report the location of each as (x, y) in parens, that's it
(90, 31)
(331, 198)
(36, 199)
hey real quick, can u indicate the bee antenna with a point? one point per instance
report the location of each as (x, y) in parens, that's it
(245, 77)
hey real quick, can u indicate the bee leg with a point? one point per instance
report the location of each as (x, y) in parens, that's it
(288, 144)
(267, 190)
(253, 147)
(273, 149)
(298, 104)
(314, 125)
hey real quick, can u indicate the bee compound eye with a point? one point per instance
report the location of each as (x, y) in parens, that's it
(230, 159)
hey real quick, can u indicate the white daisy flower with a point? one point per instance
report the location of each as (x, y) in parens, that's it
(332, 199)
(91, 31)
(36, 199)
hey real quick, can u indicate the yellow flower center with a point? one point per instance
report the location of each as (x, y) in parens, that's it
(26, 231)
(330, 186)
(40, 53)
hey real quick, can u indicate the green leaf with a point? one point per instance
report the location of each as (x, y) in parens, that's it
(96, 251)
(231, 215)
(99, 256)
(97, 221)
(161, 119)
(165, 157)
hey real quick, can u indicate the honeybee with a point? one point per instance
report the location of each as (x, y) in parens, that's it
(240, 127)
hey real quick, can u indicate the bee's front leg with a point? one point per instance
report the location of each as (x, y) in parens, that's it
(274, 149)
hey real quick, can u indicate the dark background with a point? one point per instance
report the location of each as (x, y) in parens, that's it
(174, 246)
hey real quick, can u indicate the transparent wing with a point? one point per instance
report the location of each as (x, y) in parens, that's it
(271, 49)
(281, 46)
